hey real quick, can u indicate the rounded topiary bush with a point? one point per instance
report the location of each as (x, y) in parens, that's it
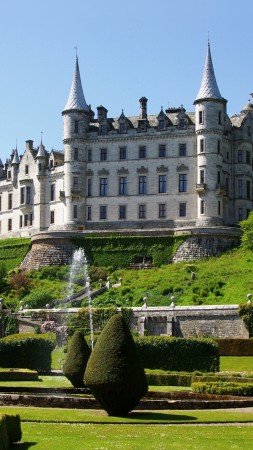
(76, 360)
(114, 372)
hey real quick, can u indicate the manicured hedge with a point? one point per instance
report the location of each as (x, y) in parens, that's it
(223, 388)
(10, 430)
(235, 347)
(120, 251)
(162, 378)
(13, 251)
(178, 354)
(18, 375)
(29, 351)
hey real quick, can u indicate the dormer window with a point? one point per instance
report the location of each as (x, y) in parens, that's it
(161, 124)
(181, 123)
(103, 129)
(122, 127)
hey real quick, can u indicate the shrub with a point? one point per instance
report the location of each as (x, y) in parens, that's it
(10, 430)
(246, 313)
(178, 354)
(21, 283)
(31, 351)
(114, 372)
(37, 298)
(76, 360)
(18, 375)
(223, 388)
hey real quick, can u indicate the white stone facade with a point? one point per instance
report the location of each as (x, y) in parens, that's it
(170, 170)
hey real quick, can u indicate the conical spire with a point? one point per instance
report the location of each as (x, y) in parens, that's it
(76, 98)
(15, 159)
(209, 87)
(41, 150)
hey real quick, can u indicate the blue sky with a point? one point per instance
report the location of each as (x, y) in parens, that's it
(126, 50)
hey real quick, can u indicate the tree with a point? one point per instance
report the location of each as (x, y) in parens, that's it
(76, 360)
(114, 372)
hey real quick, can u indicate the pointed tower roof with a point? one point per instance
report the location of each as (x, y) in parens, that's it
(76, 98)
(41, 151)
(209, 87)
(15, 159)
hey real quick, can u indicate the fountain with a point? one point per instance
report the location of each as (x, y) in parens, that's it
(79, 267)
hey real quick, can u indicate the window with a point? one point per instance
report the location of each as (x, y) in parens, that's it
(9, 174)
(218, 146)
(103, 129)
(22, 195)
(162, 210)
(28, 195)
(122, 127)
(51, 217)
(247, 157)
(183, 182)
(75, 183)
(162, 151)
(75, 154)
(201, 117)
(122, 186)
(239, 155)
(218, 177)
(76, 125)
(201, 145)
(181, 123)
(122, 211)
(248, 189)
(51, 163)
(249, 131)
(142, 151)
(10, 201)
(182, 149)
(240, 188)
(219, 118)
(52, 192)
(103, 154)
(89, 155)
(202, 176)
(103, 186)
(142, 211)
(26, 220)
(74, 211)
(26, 169)
(103, 212)
(219, 209)
(0, 203)
(31, 219)
(239, 214)
(182, 209)
(162, 184)
(89, 211)
(20, 221)
(161, 124)
(9, 224)
(89, 187)
(142, 184)
(202, 207)
(122, 153)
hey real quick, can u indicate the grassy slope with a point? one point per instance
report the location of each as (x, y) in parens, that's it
(221, 280)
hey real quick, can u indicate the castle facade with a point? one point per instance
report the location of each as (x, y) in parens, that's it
(171, 170)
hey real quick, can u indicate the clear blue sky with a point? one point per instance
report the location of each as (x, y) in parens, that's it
(126, 50)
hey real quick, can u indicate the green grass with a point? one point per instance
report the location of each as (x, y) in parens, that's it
(61, 429)
(236, 363)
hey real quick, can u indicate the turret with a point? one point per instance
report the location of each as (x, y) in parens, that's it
(76, 118)
(210, 115)
(41, 160)
(14, 165)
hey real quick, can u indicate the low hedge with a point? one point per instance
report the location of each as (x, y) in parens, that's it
(10, 430)
(178, 354)
(161, 378)
(18, 375)
(223, 388)
(235, 347)
(31, 351)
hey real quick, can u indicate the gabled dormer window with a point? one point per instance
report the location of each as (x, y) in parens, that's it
(161, 124)
(103, 129)
(122, 127)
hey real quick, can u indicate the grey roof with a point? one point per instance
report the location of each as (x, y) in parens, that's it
(209, 87)
(41, 151)
(15, 159)
(76, 98)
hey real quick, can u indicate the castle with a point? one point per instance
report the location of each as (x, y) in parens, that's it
(171, 170)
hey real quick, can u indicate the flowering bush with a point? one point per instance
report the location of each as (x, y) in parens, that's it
(50, 326)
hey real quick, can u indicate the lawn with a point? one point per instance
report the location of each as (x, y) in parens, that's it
(236, 363)
(45, 428)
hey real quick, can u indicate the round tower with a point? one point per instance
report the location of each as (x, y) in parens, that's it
(76, 117)
(210, 113)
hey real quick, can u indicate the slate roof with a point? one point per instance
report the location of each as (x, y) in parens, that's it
(76, 98)
(209, 87)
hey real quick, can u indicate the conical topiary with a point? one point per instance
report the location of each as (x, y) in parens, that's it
(114, 372)
(76, 360)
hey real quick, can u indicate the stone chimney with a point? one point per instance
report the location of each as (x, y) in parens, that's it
(143, 107)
